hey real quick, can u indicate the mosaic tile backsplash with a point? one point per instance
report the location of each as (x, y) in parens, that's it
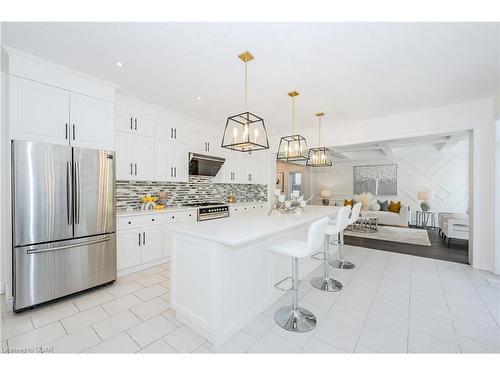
(197, 189)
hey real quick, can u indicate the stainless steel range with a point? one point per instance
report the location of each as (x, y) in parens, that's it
(210, 211)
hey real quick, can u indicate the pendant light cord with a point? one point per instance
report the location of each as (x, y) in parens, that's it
(246, 86)
(293, 115)
(319, 131)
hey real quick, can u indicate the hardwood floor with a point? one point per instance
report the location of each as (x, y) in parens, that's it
(457, 252)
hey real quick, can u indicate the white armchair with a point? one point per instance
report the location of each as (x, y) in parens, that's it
(455, 228)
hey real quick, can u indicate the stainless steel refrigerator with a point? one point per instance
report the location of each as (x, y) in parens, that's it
(63, 221)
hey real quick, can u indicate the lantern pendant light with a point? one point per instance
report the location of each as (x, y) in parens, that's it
(292, 147)
(245, 132)
(319, 156)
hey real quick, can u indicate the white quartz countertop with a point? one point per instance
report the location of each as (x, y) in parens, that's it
(240, 229)
(123, 213)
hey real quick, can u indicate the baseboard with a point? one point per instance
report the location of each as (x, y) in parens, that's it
(143, 266)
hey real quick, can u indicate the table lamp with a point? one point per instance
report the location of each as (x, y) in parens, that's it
(426, 197)
(325, 194)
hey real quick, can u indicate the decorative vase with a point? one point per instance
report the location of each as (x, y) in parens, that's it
(325, 201)
(425, 206)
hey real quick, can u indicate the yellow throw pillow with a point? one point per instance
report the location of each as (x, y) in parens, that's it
(395, 207)
(348, 203)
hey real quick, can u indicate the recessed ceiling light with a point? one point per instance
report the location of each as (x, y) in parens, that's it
(274, 130)
(199, 98)
(119, 64)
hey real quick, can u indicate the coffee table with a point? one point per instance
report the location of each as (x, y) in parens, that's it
(366, 224)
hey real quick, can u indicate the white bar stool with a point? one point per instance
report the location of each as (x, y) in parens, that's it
(341, 263)
(324, 282)
(294, 318)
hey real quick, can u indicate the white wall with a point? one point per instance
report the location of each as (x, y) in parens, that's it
(2, 253)
(476, 115)
(497, 197)
(447, 174)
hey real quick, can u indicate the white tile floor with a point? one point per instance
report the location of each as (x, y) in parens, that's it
(391, 303)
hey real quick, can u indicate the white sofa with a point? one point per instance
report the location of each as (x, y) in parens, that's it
(391, 218)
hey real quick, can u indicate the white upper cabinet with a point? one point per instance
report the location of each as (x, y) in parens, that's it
(124, 156)
(51, 104)
(179, 155)
(38, 112)
(90, 121)
(165, 129)
(144, 156)
(135, 156)
(171, 161)
(203, 143)
(135, 123)
(163, 163)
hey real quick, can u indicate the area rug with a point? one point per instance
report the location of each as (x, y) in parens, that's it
(395, 234)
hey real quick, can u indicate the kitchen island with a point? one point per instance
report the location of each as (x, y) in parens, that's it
(222, 272)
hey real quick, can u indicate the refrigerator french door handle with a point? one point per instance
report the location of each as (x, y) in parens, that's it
(69, 193)
(144, 238)
(107, 238)
(77, 193)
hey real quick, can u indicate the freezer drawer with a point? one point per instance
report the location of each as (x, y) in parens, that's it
(49, 271)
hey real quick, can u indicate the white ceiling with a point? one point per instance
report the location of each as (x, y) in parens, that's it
(350, 71)
(455, 142)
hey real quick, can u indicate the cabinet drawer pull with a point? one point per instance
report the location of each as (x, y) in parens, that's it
(175, 133)
(130, 222)
(66, 130)
(171, 132)
(144, 238)
(139, 239)
(136, 124)
(131, 126)
(74, 132)
(131, 169)
(136, 169)
(173, 217)
(152, 219)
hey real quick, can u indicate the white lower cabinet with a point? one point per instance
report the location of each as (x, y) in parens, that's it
(152, 243)
(128, 250)
(243, 208)
(143, 240)
(139, 245)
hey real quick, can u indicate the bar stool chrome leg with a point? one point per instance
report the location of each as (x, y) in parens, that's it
(294, 318)
(341, 263)
(325, 283)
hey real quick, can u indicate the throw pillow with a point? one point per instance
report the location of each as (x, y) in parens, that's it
(384, 206)
(349, 203)
(395, 207)
(375, 207)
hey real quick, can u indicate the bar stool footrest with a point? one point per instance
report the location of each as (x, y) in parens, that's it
(277, 285)
(319, 255)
